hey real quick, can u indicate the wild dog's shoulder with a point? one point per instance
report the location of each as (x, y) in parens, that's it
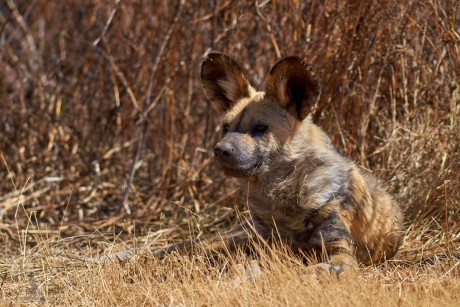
(322, 173)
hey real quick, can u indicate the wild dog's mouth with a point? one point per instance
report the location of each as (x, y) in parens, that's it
(246, 170)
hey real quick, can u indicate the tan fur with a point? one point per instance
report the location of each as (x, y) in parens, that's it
(300, 189)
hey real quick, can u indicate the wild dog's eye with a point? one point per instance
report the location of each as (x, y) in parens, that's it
(225, 128)
(260, 128)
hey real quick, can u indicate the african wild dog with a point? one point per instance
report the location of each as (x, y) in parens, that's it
(299, 187)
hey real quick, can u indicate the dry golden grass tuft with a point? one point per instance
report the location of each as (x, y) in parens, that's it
(105, 138)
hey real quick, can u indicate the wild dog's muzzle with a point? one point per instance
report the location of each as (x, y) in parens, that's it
(236, 157)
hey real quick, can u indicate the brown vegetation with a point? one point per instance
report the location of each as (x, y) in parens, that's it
(105, 141)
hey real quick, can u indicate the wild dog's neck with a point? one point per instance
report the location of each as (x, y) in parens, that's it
(309, 142)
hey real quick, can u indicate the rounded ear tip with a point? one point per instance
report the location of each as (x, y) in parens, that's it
(212, 56)
(293, 63)
(209, 58)
(218, 61)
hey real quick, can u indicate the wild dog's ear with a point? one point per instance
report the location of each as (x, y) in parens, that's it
(292, 83)
(223, 81)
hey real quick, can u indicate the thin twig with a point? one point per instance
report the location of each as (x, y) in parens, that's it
(20, 20)
(140, 143)
(446, 218)
(107, 24)
(122, 78)
(269, 28)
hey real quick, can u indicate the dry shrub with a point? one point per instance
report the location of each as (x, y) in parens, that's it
(104, 129)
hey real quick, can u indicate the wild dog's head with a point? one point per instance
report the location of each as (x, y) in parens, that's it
(257, 125)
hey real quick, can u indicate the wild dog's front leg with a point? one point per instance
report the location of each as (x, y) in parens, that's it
(330, 239)
(240, 238)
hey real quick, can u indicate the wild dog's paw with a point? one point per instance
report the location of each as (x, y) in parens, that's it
(327, 270)
(124, 256)
(244, 272)
(118, 257)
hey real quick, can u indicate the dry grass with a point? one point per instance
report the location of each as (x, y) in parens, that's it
(105, 137)
(47, 274)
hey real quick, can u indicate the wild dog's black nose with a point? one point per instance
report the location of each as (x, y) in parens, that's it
(223, 150)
